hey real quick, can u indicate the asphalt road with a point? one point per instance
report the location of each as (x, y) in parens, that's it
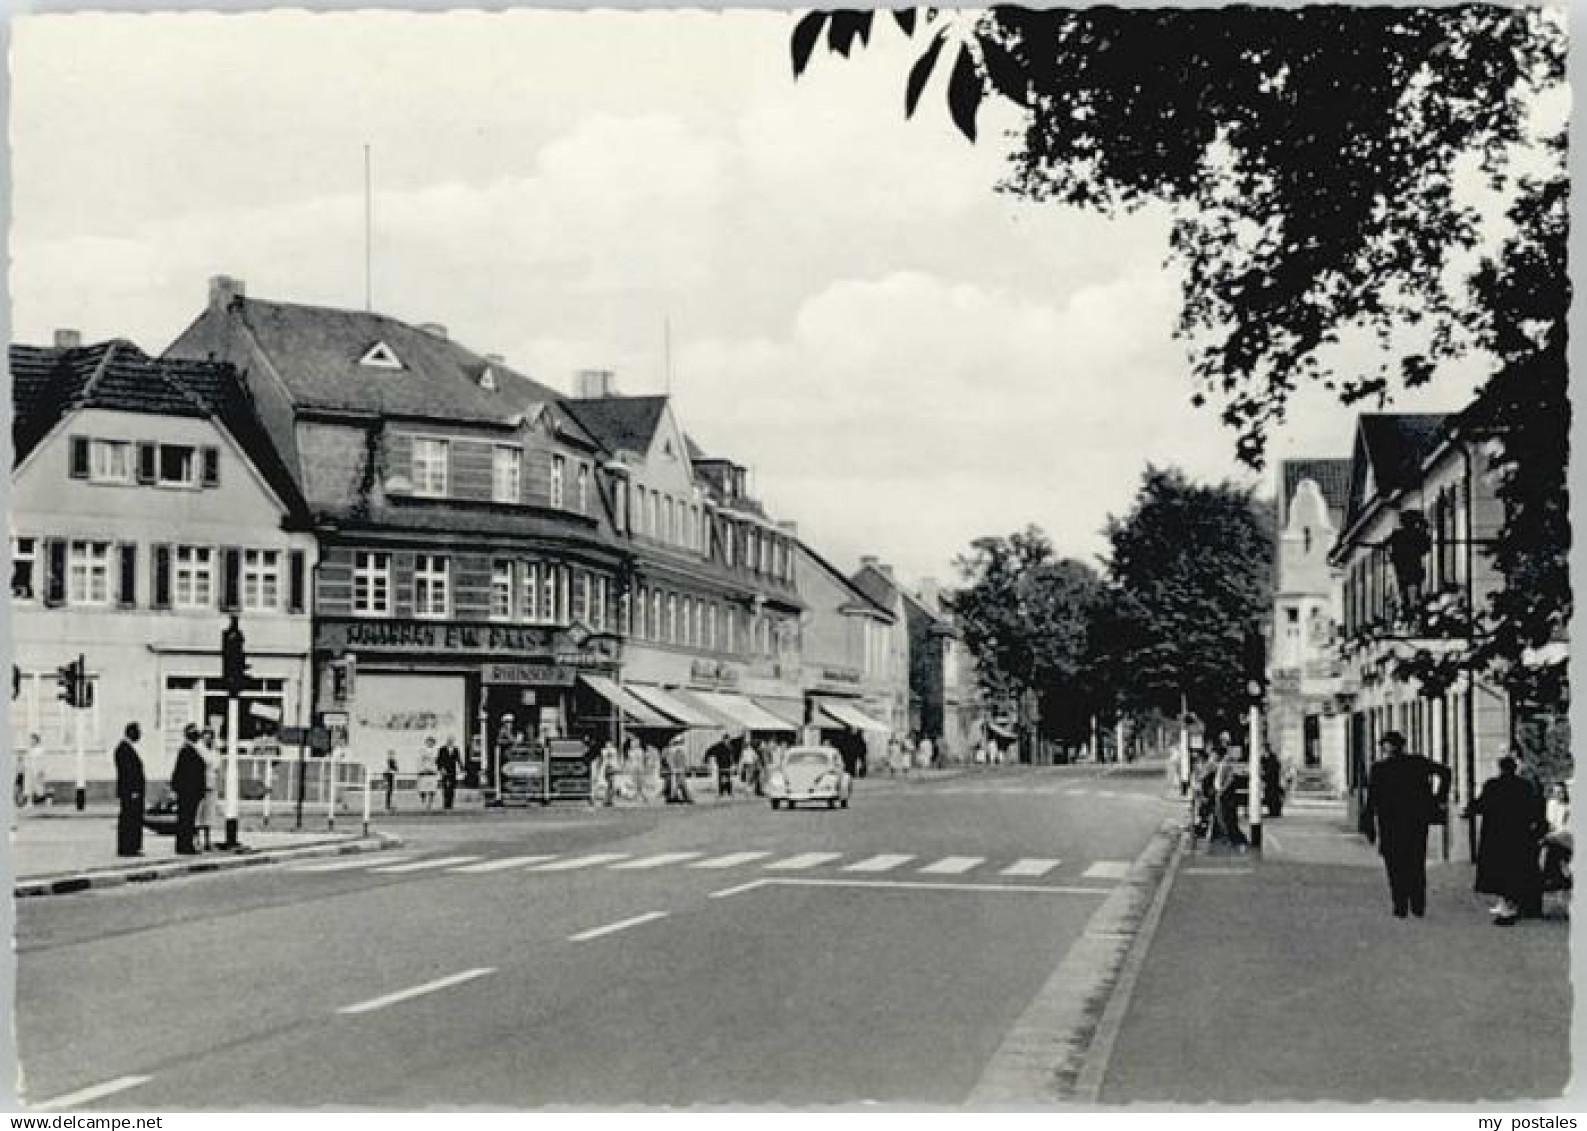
(591, 957)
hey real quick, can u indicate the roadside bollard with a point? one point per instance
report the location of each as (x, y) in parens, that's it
(269, 788)
(366, 804)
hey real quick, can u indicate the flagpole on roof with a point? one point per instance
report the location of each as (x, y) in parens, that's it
(369, 303)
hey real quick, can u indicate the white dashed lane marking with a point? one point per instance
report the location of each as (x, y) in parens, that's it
(501, 865)
(658, 861)
(590, 861)
(731, 860)
(883, 863)
(613, 928)
(88, 1095)
(424, 865)
(1107, 870)
(1030, 866)
(417, 991)
(349, 865)
(802, 861)
(952, 865)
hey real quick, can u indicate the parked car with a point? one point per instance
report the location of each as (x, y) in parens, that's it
(810, 773)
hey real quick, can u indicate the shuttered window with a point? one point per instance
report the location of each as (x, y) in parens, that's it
(211, 468)
(231, 578)
(55, 571)
(296, 581)
(160, 595)
(126, 575)
(79, 457)
(148, 463)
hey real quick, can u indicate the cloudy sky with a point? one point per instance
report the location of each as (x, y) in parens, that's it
(906, 358)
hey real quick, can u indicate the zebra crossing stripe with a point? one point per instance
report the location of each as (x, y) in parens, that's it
(1108, 870)
(731, 860)
(952, 865)
(1030, 866)
(883, 863)
(580, 862)
(348, 864)
(804, 860)
(423, 865)
(657, 861)
(500, 865)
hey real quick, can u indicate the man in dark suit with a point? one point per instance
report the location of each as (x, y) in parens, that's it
(189, 780)
(447, 763)
(129, 792)
(1403, 793)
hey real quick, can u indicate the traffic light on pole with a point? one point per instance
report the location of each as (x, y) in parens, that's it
(69, 677)
(1254, 657)
(233, 659)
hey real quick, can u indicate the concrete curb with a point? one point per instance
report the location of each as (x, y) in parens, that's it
(1049, 1050)
(68, 883)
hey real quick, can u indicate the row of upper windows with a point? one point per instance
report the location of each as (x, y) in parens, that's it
(520, 591)
(430, 469)
(98, 573)
(101, 460)
(674, 618)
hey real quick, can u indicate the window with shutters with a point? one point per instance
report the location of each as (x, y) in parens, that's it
(655, 616)
(501, 590)
(432, 593)
(110, 461)
(548, 593)
(584, 488)
(429, 466)
(211, 466)
(261, 581)
(371, 584)
(88, 573)
(603, 596)
(672, 618)
(177, 466)
(710, 626)
(506, 474)
(297, 581)
(193, 577)
(24, 566)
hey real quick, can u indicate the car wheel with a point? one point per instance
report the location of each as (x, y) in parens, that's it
(775, 804)
(845, 803)
(833, 803)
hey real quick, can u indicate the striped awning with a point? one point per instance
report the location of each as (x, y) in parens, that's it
(637, 712)
(739, 711)
(850, 718)
(685, 714)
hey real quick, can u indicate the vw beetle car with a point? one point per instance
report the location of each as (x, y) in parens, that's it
(810, 773)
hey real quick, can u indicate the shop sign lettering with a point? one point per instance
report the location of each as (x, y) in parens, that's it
(435, 638)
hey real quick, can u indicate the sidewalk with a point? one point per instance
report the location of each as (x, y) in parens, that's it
(1286, 979)
(54, 857)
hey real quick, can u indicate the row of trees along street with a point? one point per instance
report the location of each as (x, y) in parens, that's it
(1188, 571)
(1334, 173)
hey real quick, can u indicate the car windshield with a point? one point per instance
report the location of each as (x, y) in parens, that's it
(807, 758)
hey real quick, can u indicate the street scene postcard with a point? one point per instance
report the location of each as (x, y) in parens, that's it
(959, 560)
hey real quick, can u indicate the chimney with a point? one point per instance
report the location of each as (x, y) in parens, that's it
(870, 561)
(223, 290)
(594, 383)
(434, 329)
(68, 339)
(930, 594)
(887, 570)
(789, 528)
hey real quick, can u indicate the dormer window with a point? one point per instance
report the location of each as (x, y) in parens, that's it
(487, 380)
(380, 356)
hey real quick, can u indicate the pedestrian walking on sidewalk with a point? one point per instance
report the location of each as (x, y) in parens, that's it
(129, 793)
(1508, 844)
(391, 779)
(205, 821)
(189, 781)
(1226, 785)
(428, 775)
(448, 762)
(1404, 793)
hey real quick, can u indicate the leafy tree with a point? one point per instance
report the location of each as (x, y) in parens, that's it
(1310, 157)
(1191, 569)
(1026, 615)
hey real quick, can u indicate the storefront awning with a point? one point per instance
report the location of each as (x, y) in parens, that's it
(685, 714)
(1000, 731)
(791, 715)
(637, 712)
(849, 717)
(739, 711)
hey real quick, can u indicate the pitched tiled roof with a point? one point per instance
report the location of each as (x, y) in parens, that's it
(317, 350)
(862, 599)
(620, 423)
(1332, 476)
(49, 383)
(875, 585)
(1392, 446)
(696, 453)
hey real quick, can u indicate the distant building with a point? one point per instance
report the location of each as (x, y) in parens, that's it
(148, 506)
(1306, 718)
(942, 672)
(899, 707)
(847, 667)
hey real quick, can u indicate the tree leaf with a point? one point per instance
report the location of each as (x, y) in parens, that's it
(905, 18)
(805, 35)
(845, 28)
(920, 72)
(965, 93)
